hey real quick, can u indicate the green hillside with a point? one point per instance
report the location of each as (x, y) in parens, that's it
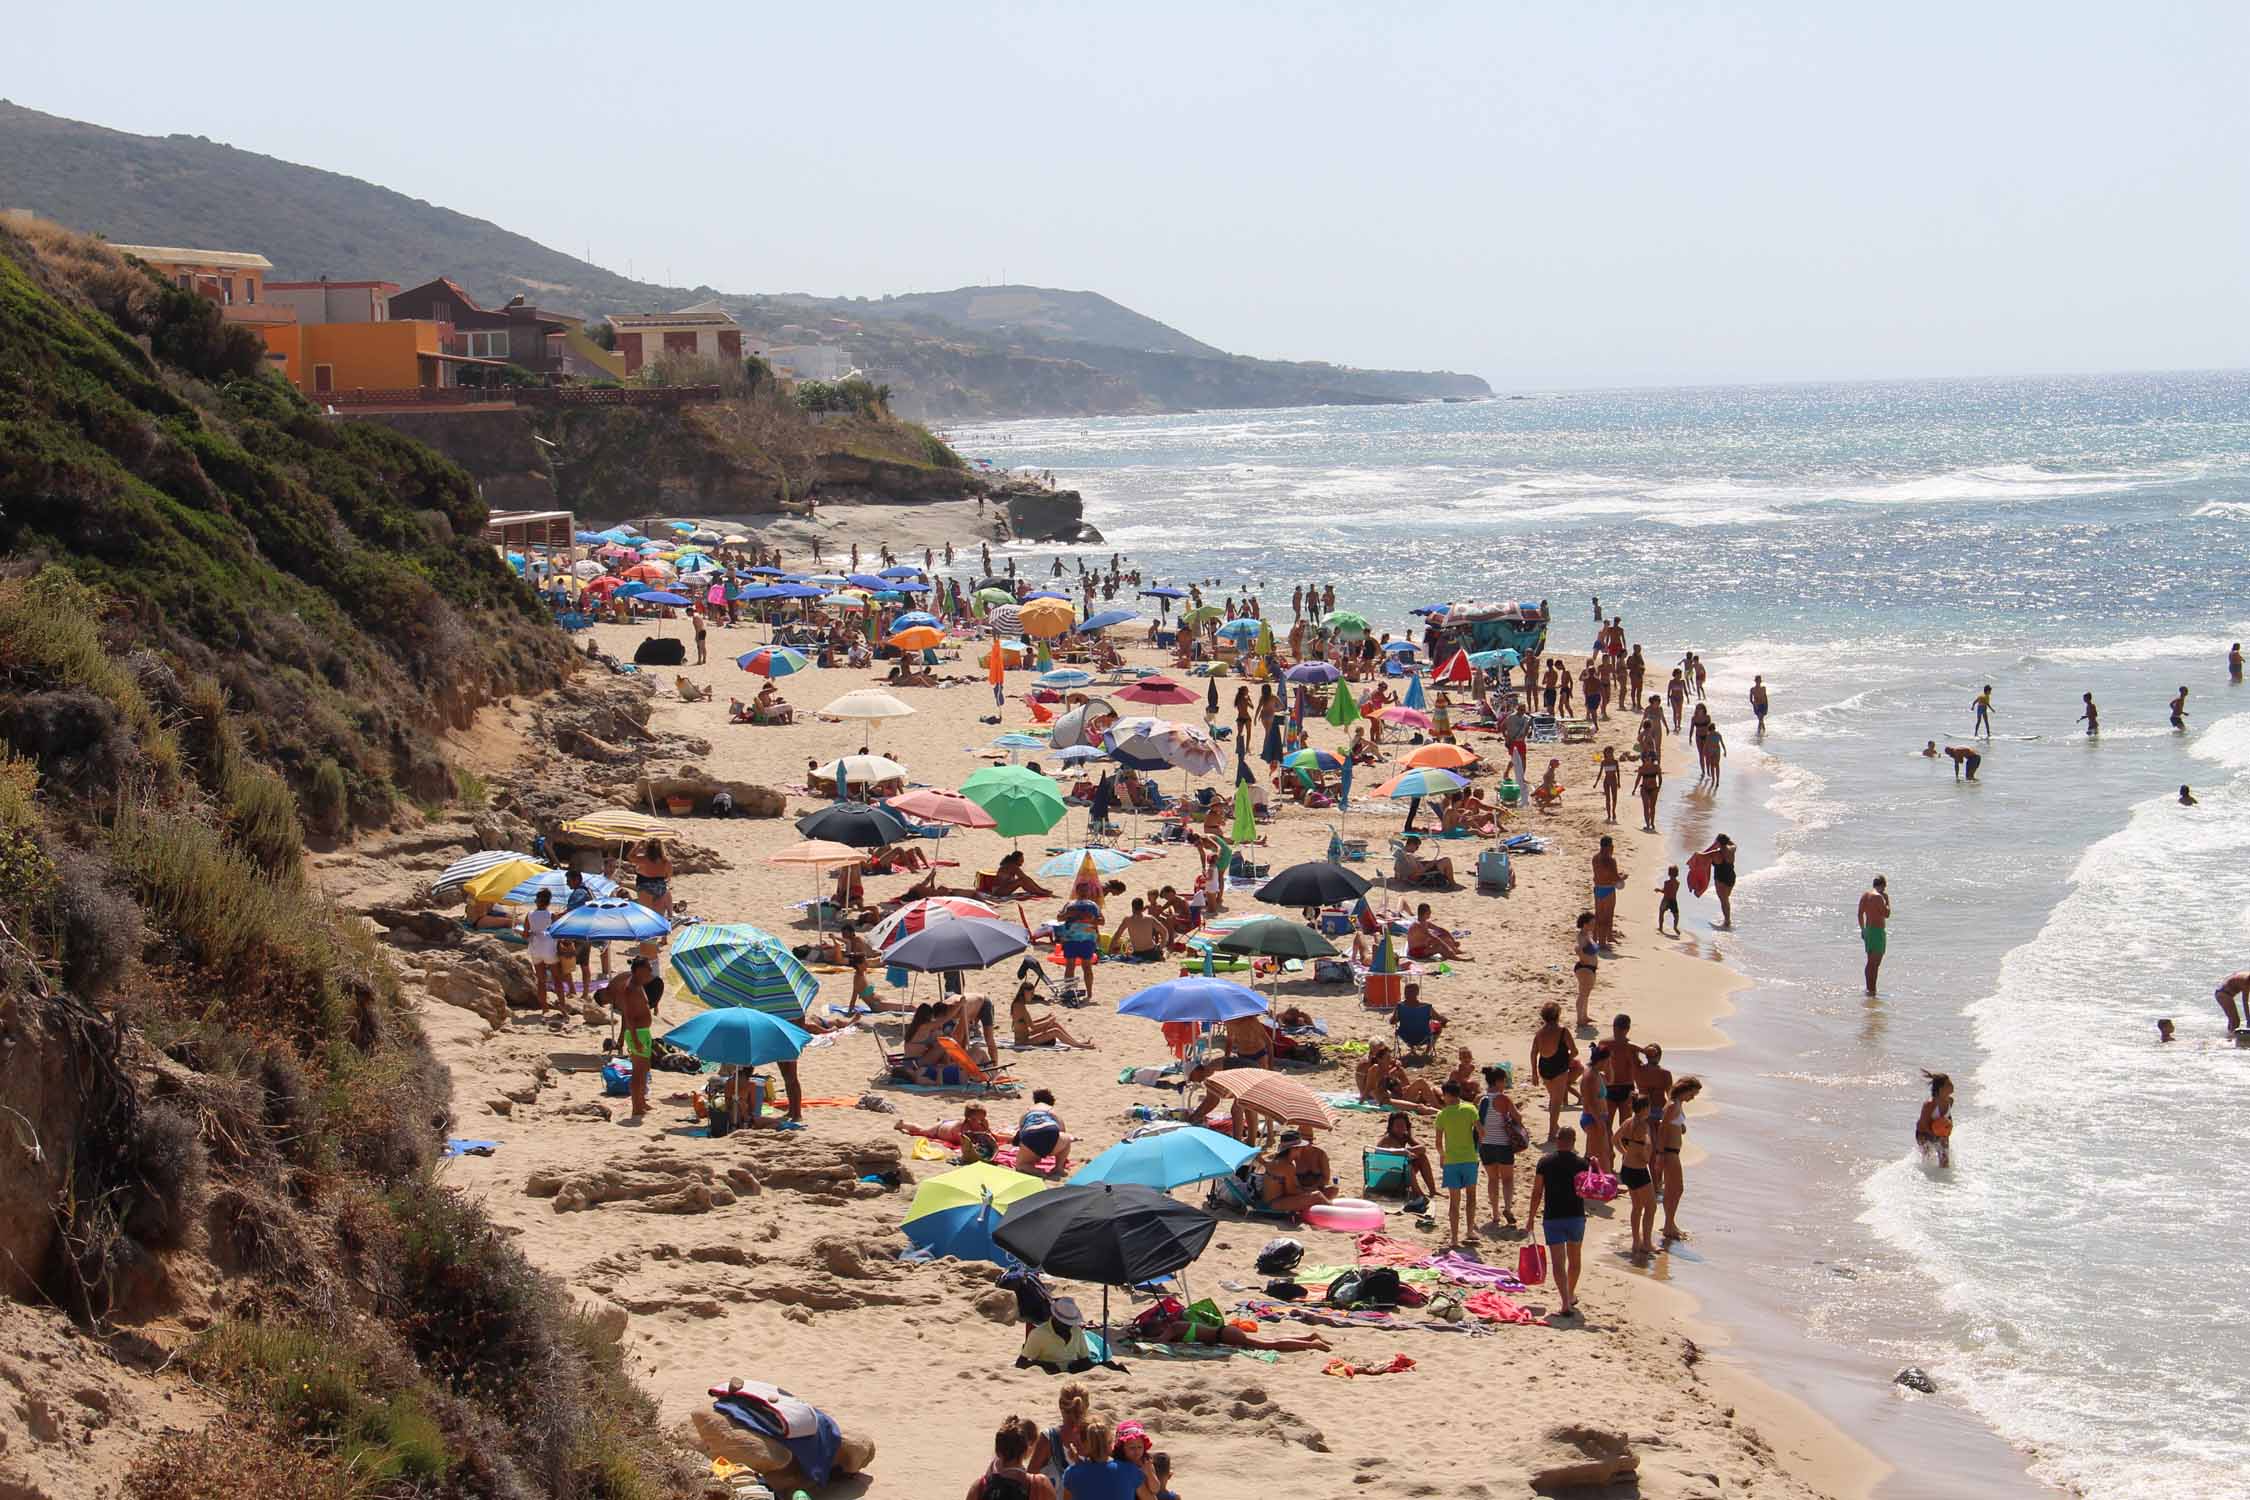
(1042, 313)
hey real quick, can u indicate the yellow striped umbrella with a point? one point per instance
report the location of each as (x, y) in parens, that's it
(616, 824)
(496, 882)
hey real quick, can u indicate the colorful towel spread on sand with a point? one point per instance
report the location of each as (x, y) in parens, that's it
(1353, 1102)
(1468, 1271)
(1494, 1308)
(1198, 1351)
(1344, 1369)
(1381, 1250)
(1322, 1275)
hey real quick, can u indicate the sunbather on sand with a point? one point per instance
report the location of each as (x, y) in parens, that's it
(1226, 1335)
(1383, 1080)
(1298, 1176)
(1032, 1028)
(1426, 940)
(972, 1135)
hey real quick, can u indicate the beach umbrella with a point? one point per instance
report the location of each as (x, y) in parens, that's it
(1421, 781)
(1211, 698)
(1007, 619)
(1343, 710)
(1071, 755)
(745, 1038)
(769, 572)
(587, 568)
(869, 705)
(1454, 669)
(1045, 594)
(679, 526)
(915, 617)
(1082, 725)
(736, 964)
(1311, 760)
(855, 825)
(1412, 718)
(873, 581)
(1114, 1234)
(495, 881)
(1017, 739)
(797, 591)
(845, 601)
(992, 596)
(663, 599)
(1156, 690)
(901, 572)
(1064, 677)
(1164, 592)
(966, 1187)
(1241, 630)
(1019, 801)
(1276, 1094)
(612, 918)
(1414, 697)
(1485, 661)
(695, 562)
(916, 915)
(1193, 997)
(648, 572)
(1401, 648)
(1277, 937)
(470, 866)
(827, 580)
(616, 825)
(557, 884)
(1316, 882)
(935, 806)
(616, 550)
(772, 661)
(1312, 672)
(817, 854)
(1441, 755)
(962, 943)
(1105, 620)
(1106, 861)
(1345, 622)
(1245, 827)
(868, 770)
(1168, 1160)
(604, 584)
(1202, 614)
(917, 638)
(1429, 609)
(1138, 743)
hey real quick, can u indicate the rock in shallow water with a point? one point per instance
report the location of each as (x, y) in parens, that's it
(1915, 1378)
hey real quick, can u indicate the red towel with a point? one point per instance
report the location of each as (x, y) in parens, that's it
(1381, 1250)
(1494, 1308)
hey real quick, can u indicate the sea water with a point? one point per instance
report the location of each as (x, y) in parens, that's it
(1879, 552)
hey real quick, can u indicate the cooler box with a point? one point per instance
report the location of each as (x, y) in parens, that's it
(1384, 1171)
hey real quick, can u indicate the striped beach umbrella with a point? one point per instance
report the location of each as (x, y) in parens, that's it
(463, 870)
(612, 919)
(772, 661)
(557, 884)
(616, 825)
(1421, 781)
(736, 964)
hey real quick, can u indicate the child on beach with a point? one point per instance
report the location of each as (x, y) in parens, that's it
(1669, 892)
(1456, 1125)
(1933, 1130)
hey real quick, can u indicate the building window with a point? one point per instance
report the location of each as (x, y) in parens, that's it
(488, 345)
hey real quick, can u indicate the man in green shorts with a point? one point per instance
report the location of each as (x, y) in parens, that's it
(627, 994)
(1874, 927)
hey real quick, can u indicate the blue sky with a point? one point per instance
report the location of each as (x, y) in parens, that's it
(1573, 194)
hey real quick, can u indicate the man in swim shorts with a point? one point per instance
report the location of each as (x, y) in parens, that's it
(1758, 700)
(1874, 923)
(1965, 761)
(2234, 987)
(627, 994)
(1140, 935)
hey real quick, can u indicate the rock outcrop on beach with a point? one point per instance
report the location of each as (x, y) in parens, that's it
(1037, 514)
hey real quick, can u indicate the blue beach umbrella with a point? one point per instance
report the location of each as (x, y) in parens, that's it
(1106, 619)
(914, 617)
(1403, 648)
(612, 917)
(1044, 594)
(673, 601)
(557, 884)
(1429, 609)
(1017, 740)
(1106, 861)
(910, 588)
(1071, 755)
(1172, 1159)
(1193, 997)
(736, 965)
(965, 1233)
(745, 1038)
(1166, 592)
(900, 572)
(1422, 781)
(867, 580)
(797, 591)
(1064, 677)
(767, 572)
(1242, 630)
(1313, 672)
(772, 661)
(1415, 698)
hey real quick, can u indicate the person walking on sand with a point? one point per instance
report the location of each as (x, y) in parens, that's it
(702, 645)
(1668, 899)
(1587, 967)
(1874, 927)
(1648, 781)
(1980, 713)
(1675, 697)
(1607, 878)
(1612, 777)
(1933, 1128)
(2178, 707)
(1554, 1188)
(541, 948)
(627, 994)
(2091, 718)
(1758, 700)
(1554, 1057)
(1636, 1149)
(1456, 1126)
(1500, 1135)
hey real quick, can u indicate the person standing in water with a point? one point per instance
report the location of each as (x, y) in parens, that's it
(1980, 710)
(1874, 927)
(2234, 987)
(1965, 761)
(2178, 707)
(1758, 700)
(2234, 662)
(1933, 1130)
(2091, 718)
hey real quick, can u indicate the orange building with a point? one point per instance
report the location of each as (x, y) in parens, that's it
(235, 279)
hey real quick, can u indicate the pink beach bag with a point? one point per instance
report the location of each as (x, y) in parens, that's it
(1596, 1184)
(1531, 1265)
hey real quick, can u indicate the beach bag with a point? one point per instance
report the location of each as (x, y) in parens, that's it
(617, 1078)
(1344, 1290)
(1531, 1265)
(1332, 971)
(1519, 1139)
(1279, 1256)
(1204, 1313)
(1596, 1184)
(1165, 1310)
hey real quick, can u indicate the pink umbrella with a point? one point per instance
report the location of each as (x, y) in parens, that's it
(614, 550)
(1413, 718)
(932, 805)
(1156, 690)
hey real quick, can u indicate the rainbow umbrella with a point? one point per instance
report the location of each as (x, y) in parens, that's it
(772, 661)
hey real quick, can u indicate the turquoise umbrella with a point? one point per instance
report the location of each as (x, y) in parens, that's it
(1414, 698)
(745, 1038)
(734, 964)
(1172, 1159)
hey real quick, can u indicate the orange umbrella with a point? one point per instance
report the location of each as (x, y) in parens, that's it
(1445, 757)
(1285, 1098)
(1047, 618)
(996, 665)
(918, 638)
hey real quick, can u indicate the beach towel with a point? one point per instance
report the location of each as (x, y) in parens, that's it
(810, 1435)
(1198, 1351)
(456, 1146)
(1494, 1308)
(1397, 1364)
(1466, 1271)
(1381, 1250)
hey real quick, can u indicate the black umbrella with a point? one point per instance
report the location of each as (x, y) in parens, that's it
(859, 827)
(963, 943)
(1317, 882)
(1211, 699)
(1113, 1233)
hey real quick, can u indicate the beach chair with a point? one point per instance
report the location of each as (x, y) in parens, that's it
(1238, 1192)
(1417, 1028)
(1495, 871)
(1385, 1171)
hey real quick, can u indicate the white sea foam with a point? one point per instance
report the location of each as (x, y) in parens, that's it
(2144, 648)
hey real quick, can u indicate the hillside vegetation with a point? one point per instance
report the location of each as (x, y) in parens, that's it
(224, 621)
(985, 352)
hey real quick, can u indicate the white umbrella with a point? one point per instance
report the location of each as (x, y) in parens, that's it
(862, 770)
(587, 568)
(870, 705)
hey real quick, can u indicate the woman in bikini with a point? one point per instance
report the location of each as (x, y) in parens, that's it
(1612, 777)
(652, 877)
(972, 1135)
(1671, 1135)
(1593, 1107)
(1933, 1130)
(1032, 1028)
(1587, 966)
(1636, 1149)
(1383, 1080)
(1554, 1058)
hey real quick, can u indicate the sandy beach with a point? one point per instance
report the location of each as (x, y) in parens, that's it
(797, 1282)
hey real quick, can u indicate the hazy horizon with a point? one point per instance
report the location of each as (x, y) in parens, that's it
(1596, 199)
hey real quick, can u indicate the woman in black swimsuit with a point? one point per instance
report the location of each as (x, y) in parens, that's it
(1635, 1152)
(1671, 1135)
(1721, 854)
(1554, 1058)
(1587, 966)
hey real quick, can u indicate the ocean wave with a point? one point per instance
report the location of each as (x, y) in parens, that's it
(2233, 510)
(2002, 482)
(2142, 648)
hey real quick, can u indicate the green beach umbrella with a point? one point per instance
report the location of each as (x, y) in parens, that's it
(1342, 711)
(1265, 639)
(990, 597)
(1344, 622)
(1245, 816)
(735, 964)
(1020, 800)
(1201, 613)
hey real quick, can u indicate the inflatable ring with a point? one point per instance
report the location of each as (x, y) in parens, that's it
(1345, 1216)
